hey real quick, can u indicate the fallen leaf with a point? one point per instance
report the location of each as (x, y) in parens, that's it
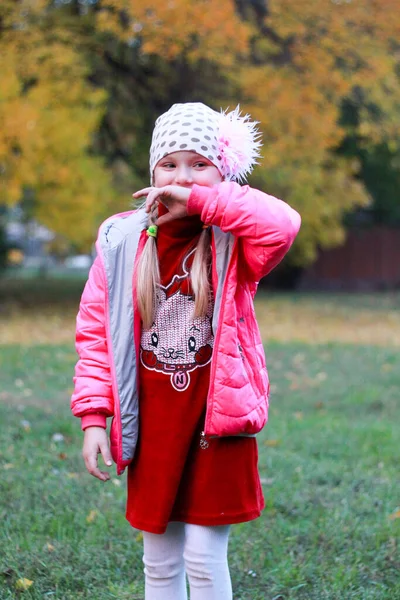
(322, 376)
(50, 547)
(8, 466)
(319, 405)
(92, 516)
(139, 537)
(72, 475)
(117, 482)
(298, 415)
(395, 515)
(25, 425)
(23, 584)
(290, 375)
(272, 443)
(266, 480)
(299, 358)
(62, 456)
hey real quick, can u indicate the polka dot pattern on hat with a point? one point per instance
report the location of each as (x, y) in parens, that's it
(192, 126)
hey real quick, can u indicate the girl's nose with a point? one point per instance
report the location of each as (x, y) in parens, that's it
(183, 176)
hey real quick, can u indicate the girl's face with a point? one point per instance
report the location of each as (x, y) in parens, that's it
(185, 169)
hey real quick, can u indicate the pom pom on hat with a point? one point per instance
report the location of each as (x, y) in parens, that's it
(239, 143)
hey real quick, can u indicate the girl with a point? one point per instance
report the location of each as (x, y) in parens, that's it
(169, 347)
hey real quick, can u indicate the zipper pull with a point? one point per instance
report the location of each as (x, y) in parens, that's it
(203, 441)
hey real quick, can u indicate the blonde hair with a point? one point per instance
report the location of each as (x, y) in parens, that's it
(148, 276)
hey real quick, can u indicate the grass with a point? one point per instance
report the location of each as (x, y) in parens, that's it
(35, 311)
(328, 463)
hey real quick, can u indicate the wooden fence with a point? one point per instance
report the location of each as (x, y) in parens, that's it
(369, 260)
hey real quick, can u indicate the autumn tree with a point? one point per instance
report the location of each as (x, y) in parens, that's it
(292, 66)
(48, 114)
(115, 65)
(307, 59)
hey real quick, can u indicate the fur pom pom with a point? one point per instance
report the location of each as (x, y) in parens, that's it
(239, 143)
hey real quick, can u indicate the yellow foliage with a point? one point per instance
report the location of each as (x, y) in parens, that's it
(290, 72)
(48, 115)
(92, 516)
(194, 29)
(319, 52)
(23, 584)
(15, 256)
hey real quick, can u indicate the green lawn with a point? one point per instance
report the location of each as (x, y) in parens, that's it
(328, 462)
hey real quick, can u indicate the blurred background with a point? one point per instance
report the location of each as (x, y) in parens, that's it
(83, 81)
(81, 84)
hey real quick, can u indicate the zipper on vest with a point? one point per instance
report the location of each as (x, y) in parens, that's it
(203, 441)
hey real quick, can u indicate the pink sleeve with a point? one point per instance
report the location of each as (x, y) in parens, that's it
(92, 399)
(265, 226)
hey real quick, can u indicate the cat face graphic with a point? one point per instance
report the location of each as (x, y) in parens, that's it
(176, 340)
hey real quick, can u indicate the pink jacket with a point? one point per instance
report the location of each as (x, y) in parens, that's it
(251, 233)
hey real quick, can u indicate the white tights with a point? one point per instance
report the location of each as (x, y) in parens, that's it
(199, 551)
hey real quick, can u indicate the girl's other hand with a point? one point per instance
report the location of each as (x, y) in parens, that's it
(174, 197)
(96, 442)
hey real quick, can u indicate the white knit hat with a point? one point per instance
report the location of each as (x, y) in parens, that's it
(231, 142)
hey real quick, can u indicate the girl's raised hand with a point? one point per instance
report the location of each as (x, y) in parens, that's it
(96, 442)
(174, 197)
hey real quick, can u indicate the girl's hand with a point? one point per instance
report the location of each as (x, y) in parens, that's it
(174, 197)
(96, 442)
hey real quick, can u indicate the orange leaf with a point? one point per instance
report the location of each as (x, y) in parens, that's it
(395, 515)
(23, 584)
(92, 516)
(272, 443)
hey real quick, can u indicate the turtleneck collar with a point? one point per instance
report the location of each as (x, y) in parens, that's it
(185, 228)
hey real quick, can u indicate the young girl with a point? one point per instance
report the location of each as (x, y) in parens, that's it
(169, 347)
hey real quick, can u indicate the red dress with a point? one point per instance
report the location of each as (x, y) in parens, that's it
(171, 477)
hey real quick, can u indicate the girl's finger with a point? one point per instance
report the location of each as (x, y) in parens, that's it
(91, 463)
(106, 454)
(155, 196)
(92, 467)
(150, 200)
(164, 219)
(143, 192)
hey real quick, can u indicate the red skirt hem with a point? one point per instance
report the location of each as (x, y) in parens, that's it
(225, 519)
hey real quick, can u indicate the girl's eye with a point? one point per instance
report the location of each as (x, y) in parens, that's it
(168, 165)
